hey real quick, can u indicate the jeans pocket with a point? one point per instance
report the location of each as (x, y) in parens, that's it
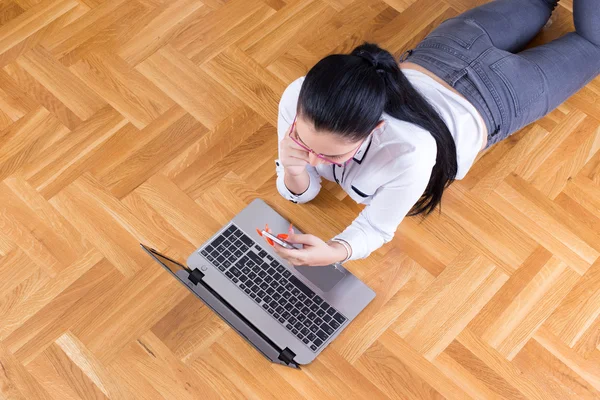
(463, 32)
(522, 78)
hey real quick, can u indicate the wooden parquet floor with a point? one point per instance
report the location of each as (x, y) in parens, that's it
(127, 121)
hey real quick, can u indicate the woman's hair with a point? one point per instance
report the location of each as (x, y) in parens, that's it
(346, 94)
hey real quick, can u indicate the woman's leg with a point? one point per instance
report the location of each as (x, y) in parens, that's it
(511, 24)
(537, 80)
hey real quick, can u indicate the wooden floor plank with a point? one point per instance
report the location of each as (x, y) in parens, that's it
(153, 121)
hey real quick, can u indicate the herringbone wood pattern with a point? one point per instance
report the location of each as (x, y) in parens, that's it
(150, 120)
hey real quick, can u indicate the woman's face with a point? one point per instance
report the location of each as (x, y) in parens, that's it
(328, 145)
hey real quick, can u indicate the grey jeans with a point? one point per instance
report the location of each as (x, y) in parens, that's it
(479, 54)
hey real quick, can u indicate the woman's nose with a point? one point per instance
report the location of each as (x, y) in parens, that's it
(313, 160)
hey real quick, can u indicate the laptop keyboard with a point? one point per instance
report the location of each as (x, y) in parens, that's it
(268, 283)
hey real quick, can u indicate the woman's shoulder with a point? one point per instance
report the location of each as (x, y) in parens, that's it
(405, 143)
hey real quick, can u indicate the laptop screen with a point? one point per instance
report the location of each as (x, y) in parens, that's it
(172, 265)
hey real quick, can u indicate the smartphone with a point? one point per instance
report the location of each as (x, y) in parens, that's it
(277, 240)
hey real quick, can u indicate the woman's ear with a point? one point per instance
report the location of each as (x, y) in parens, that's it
(380, 124)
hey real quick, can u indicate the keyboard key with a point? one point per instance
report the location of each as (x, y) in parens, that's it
(280, 268)
(270, 290)
(273, 304)
(315, 308)
(295, 292)
(268, 279)
(282, 301)
(305, 289)
(226, 263)
(281, 319)
(298, 325)
(268, 298)
(235, 280)
(204, 253)
(326, 317)
(313, 328)
(334, 324)
(305, 310)
(271, 311)
(301, 317)
(217, 241)
(305, 340)
(295, 312)
(319, 321)
(279, 309)
(247, 290)
(276, 296)
(229, 274)
(277, 276)
(246, 270)
(331, 311)
(286, 315)
(222, 268)
(227, 253)
(295, 331)
(293, 320)
(327, 329)
(286, 295)
(289, 307)
(339, 318)
(289, 326)
(287, 274)
(265, 306)
(255, 288)
(318, 342)
(247, 241)
(311, 316)
(264, 286)
(289, 286)
(293, 300)
(262, 253)
(324, 306)
(302, 298)
(257, 281)
(252, 275)
(321, 313)
(243, 278)
(262, 273)
(253, 295)
(238, 253)
(322, 335)
(311, 337)
(313, 347)
(261, 294)
(235, 271)
(276, 315)
(269, 258)
(304, 331)
(271, 271)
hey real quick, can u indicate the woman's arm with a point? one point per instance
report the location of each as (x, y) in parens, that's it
(378, 222)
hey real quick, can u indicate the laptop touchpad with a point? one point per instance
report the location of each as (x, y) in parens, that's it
(325, 278)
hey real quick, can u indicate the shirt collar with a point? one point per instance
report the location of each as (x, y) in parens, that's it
(364, 148)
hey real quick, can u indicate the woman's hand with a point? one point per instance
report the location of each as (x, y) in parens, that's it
(315, 252)
(293, 157)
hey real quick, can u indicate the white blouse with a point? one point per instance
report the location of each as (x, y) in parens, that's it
(391, 169)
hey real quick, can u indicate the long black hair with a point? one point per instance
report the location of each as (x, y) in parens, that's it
(346, 94)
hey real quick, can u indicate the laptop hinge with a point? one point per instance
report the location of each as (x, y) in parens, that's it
(195, 276)
(287, 356)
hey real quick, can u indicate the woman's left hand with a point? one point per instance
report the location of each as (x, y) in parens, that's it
(315, 252)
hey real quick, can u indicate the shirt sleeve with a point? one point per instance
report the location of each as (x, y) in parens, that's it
(378, 221)
(287, 111)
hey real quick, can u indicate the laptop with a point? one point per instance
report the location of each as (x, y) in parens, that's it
(289, 314)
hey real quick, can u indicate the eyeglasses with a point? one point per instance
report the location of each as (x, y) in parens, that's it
(320, 156)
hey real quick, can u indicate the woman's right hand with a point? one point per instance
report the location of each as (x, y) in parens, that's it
(293, 157)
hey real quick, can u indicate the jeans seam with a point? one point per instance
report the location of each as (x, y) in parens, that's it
(444, 47)
(483, 76)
